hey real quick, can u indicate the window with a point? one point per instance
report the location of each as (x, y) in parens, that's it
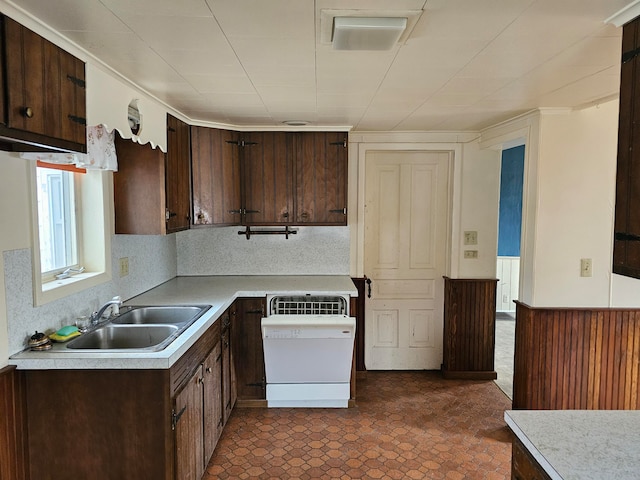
(71, 221)
(57, 220)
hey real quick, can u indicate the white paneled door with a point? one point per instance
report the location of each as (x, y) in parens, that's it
(406, 213)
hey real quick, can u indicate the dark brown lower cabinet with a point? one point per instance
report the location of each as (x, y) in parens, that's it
(229, 388)
(524, 466)
(13, 441)
(248, 353)
(115, 424)
(189, 427)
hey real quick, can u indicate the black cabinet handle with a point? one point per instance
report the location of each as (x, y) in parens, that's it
(368, 280)
(175, 417)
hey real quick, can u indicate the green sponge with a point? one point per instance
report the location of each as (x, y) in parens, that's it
(66, 331)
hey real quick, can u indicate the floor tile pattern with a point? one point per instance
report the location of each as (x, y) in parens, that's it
(505, 343)
(407, 425)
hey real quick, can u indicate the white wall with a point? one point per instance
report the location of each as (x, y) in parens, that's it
(15, 217)
(479, 207)
(568, 206)
(576, 198)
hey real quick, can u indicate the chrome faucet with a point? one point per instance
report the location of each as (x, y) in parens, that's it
(97, 316)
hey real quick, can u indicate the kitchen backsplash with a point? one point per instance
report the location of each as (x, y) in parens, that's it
(152, 261)
(222, 251)
(155, 259)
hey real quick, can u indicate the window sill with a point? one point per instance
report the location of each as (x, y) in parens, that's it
(57, 283)
(57, 289)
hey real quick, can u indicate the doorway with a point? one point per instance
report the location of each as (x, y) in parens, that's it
(508, 262)
(405, 244)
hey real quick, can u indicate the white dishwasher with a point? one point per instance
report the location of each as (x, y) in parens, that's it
(308, 350)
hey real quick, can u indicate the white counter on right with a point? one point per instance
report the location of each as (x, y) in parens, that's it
(581, 444)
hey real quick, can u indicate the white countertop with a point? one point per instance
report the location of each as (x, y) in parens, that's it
(581, 444)
(217, 291)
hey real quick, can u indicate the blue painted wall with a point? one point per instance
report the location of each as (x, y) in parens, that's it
(510, 216)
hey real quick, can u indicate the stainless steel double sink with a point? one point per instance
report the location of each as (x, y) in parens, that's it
(144, 328)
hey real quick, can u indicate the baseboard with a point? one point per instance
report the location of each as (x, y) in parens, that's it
(483, 375)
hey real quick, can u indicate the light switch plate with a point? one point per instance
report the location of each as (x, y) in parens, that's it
(471, 238)
(471, 254)
(124, 266)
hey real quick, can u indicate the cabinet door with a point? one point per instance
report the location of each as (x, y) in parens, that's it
(45, 86)
(215, 177)
(321, 178)
(138, 189)
(188, 430)
(267, 178)
(212, 401)
(626, 251)
(228, 385)
(247, 348)
(178, 175)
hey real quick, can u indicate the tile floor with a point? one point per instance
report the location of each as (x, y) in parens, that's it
(407, 425)
(505, 342)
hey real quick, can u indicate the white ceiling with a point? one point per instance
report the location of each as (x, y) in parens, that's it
(465, 65)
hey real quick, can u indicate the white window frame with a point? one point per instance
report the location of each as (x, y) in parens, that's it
(73, 195)
(94, 194)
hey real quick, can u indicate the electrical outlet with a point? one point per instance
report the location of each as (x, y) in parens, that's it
(471, 238)
(124, 266)
(471, 254)
(585, 267)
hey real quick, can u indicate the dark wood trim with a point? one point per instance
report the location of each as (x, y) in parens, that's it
(14, 451)
(576, 358)
(469, 328)
(357, 309)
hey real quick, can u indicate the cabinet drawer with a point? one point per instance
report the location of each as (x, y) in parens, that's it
(181, 371)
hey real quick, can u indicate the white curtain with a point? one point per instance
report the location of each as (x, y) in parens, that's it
(101, 152)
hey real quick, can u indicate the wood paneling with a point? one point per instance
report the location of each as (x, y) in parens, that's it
(13, 427)
(576, 358)
(469, 328)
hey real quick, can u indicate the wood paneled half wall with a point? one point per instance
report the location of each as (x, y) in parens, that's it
(576, 358)
(469, 328)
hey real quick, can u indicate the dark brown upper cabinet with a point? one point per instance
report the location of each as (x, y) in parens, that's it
(267, 178)
(215, 174)
(177, 176)
(151, 189)
(626, 250)
(43, 98)
(321, 178)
